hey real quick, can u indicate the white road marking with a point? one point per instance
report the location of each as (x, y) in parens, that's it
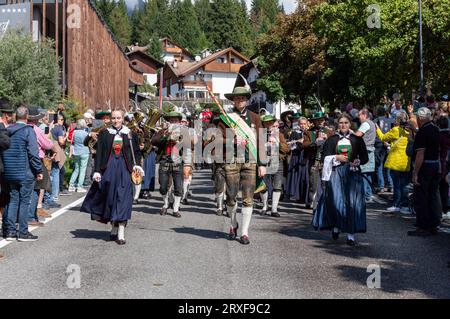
(56, 214)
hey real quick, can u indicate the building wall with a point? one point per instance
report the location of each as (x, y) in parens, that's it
(223, 83)
(98, 72)
(151, 79)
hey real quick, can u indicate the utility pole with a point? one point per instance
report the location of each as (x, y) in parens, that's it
(421, 48)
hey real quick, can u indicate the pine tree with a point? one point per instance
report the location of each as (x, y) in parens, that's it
(120, 24)
(105, 8)
(203, 12)
(188, 32)
(229, 25)
(263, 14)
(136, 16)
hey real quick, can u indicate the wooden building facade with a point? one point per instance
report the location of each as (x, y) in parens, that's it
(94, 69)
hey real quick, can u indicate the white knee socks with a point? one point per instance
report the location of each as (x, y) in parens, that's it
(246, 217)
(137, 191)
(114, 230)
(265, 200)
(219, 201)
(166, 201)
(275, 200)
(176, 204)
(232, 212)
(121, 233)
(185, 188)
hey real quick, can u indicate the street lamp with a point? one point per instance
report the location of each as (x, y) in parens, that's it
(421, 48)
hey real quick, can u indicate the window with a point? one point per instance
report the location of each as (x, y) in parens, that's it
(201, 94)
(206, 77)
(232, 60)
(191, 94)
(220, 60)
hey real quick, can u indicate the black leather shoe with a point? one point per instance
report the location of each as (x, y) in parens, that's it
(275, 214)
(263, 212)
(120, 242)
(233, 233)
(308, 206)
(244, 240)
(163, 211)
(219, 212)
(351, 242)
(112, 237)
(136, 201)
(335, 235)
(185, 201)
(176, 214)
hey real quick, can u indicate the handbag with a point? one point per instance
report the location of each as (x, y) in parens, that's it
(136, 176)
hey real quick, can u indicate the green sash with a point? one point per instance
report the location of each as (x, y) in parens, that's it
(242, 129)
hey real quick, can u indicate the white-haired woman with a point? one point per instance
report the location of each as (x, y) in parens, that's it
(80, 157)
(110, 198)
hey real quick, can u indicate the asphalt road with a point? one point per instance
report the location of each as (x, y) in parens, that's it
(190, 257)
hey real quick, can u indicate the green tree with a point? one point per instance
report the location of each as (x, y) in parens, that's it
(154, 46)
(332, 48)
(203, 12)
(229, 25)
(105, 8)
(155, 20)
(263, 14)
(29, 71)
(136, 16)
(188, 32)
(290, 56)
(120, 24)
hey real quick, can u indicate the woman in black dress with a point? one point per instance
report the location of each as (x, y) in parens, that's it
(110, 198)
(342, 206)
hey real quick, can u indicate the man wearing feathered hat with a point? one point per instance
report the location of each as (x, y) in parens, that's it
(246, 161)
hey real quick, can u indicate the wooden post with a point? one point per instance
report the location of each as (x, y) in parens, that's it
(31, 16)
(56, 27)
(44, 19)
(64, 12)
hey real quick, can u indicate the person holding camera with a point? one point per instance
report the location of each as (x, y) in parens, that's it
(398, 162)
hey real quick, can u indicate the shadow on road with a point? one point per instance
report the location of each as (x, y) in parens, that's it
(205, 233)
(91, 234)
(407, 264)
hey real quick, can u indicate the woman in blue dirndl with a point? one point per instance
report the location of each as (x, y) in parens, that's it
(298, 171)
(110, 198)
(342, 206)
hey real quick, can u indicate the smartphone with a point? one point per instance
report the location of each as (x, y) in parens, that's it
(47, 130)
(55, 118)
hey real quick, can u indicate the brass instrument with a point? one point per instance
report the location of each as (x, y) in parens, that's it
(92, 142)
(149, 128)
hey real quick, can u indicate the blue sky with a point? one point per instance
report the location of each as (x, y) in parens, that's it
(289, 5)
